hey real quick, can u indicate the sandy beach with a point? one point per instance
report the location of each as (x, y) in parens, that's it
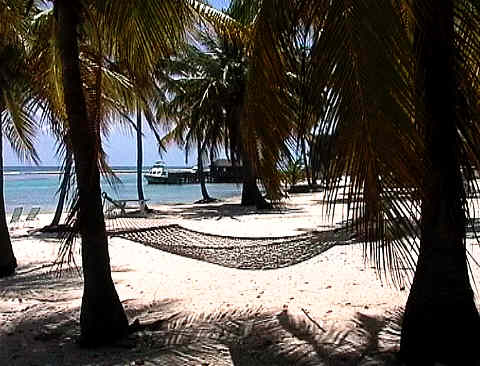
(39, 311)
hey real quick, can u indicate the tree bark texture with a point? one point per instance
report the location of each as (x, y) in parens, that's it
(440, 315)
(8, 262)
(102, 318)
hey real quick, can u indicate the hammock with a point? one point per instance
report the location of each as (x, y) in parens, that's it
(229, 251)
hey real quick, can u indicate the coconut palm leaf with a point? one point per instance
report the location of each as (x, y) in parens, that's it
(140, 32)
(15, 109)
(19, 128)
(355, 95)
(195, 85)
(266, 119)
(15, 98)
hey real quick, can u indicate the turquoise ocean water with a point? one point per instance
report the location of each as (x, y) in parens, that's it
(37, 186)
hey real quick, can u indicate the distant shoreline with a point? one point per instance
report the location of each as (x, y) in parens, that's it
(38, 187)
(56, 170)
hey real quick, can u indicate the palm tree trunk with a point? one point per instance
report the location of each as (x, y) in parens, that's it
(440, 315)
(139, 155)
(63, 189)
(8, 262)
(315, 166)
(251, 195)
(102, 318)
(201, 174)
(250, 191)
(305, 162)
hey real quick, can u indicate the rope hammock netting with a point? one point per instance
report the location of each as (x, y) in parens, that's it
(228, 251)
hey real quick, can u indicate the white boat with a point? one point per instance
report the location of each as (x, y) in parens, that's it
(158, 173)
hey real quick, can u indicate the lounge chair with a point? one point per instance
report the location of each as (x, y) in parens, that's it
(32, 215)
(116, 207)
(15, 219)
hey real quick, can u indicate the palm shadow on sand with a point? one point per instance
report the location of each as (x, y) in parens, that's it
(219, 211)
(46, 333)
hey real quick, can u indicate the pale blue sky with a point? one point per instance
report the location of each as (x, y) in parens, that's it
(120, 147)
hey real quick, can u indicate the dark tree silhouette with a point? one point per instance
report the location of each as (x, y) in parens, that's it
(102, 317)
(441, 300)
(8, 262)
(139, 155)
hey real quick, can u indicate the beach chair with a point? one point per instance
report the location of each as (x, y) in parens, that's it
(15, 219)
(32, 215)
(117, 207)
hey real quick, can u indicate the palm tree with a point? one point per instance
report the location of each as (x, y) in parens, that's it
(201, 149)
(8, 262)
(15, 113)
(247, 138)
(306, 106)
(215, 80)
(102, 316)
(139, 156)
(108, 97)
(192, 99)
(402, 92)
(139, 99)
(441, 276)
(64, 189)
(140, 94)
(267, 119)
(123, 110)
(152, 123)
(190, 129)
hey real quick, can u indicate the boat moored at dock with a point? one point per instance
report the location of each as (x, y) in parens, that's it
(220, 171)
(157, 174)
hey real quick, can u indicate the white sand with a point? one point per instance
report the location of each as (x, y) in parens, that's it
(331, 287)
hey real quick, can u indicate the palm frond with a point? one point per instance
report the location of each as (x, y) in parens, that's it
(140, 32)
(268, 119)
(15, 108)
(20, 130)
(368, 107)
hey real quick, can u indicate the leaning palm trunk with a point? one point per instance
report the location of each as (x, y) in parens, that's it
(305, 163)
(64, 186)
(201, 175)
(440, 315)
(8, 262)
(102, 318)
(139, 155)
